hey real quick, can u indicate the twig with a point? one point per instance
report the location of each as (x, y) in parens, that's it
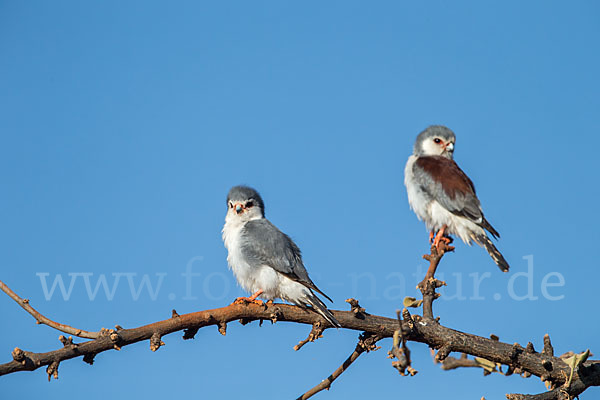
(399, 349)
(555, 394)
(366, 343)
(428, 285)
(450, 363)
(40, 319)
(525, 361)
(315, 333)
(432, 334)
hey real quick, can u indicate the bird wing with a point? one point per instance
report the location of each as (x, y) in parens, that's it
(444, 181)
(264, 244)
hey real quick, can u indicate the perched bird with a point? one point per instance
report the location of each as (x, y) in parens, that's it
(264, 260)
(443, 196)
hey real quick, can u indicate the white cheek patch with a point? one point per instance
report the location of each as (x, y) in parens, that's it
(431, 149)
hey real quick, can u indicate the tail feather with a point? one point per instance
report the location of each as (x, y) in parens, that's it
(494, 253)
(320, 307)
(488, 227)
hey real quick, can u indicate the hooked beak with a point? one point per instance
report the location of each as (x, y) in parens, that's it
(239, 208)
(450, 147)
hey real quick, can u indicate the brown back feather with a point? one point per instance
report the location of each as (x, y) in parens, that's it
(448, 174)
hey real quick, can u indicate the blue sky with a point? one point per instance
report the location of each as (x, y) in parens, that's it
(124, 124)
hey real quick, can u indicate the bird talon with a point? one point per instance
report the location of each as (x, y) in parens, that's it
(251, 299)
(441, 236)
(446, 239)
(247, 300)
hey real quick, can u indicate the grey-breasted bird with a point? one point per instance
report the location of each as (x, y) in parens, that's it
(264, 260)
(443, 196)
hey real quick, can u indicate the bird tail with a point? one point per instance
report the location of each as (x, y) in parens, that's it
(493, 251)
(321, 308)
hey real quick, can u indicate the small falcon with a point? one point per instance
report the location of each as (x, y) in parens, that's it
(264, 260)
(443, 196)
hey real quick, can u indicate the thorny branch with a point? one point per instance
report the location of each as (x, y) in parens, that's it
(567, 378)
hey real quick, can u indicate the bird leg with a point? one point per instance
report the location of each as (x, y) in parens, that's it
(441, 237)
(431, 236)
(251, 299)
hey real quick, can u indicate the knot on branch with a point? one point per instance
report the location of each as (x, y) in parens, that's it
(223, 327)
(52, 370)
(367, 342)
(516, 350)
(155, 341)
(359, 312)
(67, 342)
(112, 335)
(89, 358)
(174, 314)
(19, 355)
(547, 364)
(315, 333)
(189, 333)
(275, 315)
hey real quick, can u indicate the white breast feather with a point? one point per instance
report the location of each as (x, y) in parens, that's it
(418, 200)
(258, 277)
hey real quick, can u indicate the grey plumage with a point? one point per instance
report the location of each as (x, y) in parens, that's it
(264, 244)
(265, 260)
(433, 131)
(443, 196)
(242, 192)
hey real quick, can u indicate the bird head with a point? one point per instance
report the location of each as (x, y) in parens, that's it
(436, 140)
(244, 204)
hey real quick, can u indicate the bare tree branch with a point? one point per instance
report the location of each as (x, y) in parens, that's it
(367, 342)
(40, 319)
(567, 377)
(428, 285)
(423, 330)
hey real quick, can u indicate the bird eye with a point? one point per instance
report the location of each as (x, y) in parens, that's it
(249, 204)
(230, 205)
(437, 140)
